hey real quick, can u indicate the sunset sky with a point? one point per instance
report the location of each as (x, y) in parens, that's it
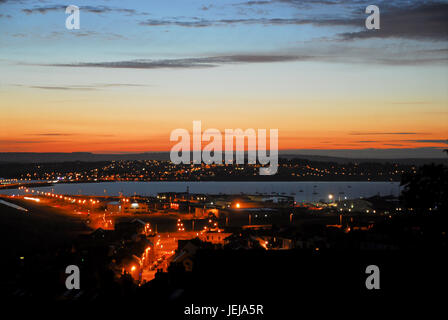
(136, 70)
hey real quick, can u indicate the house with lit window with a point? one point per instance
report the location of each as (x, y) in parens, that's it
(135, 207)
(215, 237)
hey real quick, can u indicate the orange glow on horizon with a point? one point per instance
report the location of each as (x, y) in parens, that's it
(111, 147)
(124, 124)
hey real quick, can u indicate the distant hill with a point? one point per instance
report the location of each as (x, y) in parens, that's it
(371, 153)
(408, 161)
(28, 157)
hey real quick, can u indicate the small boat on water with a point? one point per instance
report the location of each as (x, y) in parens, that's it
(301, 190)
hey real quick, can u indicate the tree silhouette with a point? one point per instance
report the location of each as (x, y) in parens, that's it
(427, 189)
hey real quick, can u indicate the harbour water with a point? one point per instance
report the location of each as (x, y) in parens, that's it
(302, 191)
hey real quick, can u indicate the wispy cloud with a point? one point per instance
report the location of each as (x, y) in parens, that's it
(394, 144)
(51, 134)
(12, 142)
(82, 87)
(429, 141)
(348, 55)
(61, 88)
(91, 9)
(196, 22)
(428, 21)
(409, 20)
(59, 134)
(407, 140)
(202, 62)
(381, 133)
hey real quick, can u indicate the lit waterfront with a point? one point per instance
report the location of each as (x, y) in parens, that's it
(302, 191)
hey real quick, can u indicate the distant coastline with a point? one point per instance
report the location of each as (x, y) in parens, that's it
(415, 156)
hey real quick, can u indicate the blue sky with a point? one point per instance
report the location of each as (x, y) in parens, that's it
(161, 29)
(309, 68)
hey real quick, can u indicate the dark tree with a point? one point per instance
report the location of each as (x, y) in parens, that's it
(426, 189)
